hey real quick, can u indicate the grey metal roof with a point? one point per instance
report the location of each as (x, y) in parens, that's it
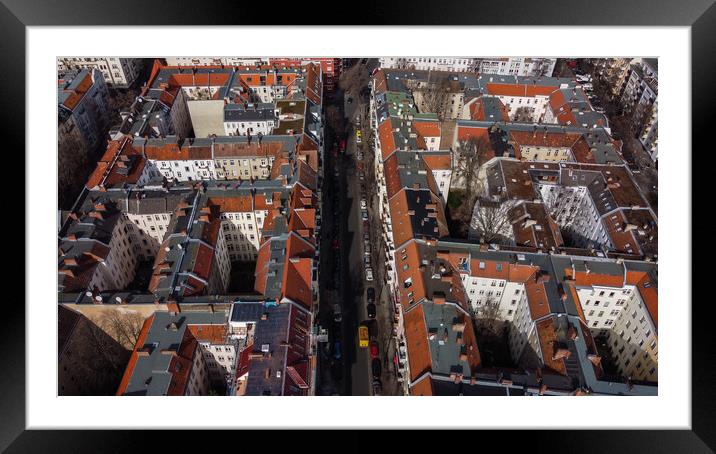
(151, 375)
(443, 341)
(271, 332)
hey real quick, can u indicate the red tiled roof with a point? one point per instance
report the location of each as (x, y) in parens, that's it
(537, 299)
(387, 141)
(427, 128)
(133, 358)
(523, 90)
(416, 338)
(110, 171)
(239, 204)
(648, 292)
(437, 162)
(297, 281)
(78, 93)
(548, 339)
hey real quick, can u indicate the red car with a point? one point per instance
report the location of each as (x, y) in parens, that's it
(343, 145)
(374, 350)
(334, 244)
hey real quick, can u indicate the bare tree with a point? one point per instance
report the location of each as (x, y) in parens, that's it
(523, 114)
(123, 326)
(110, 353)
(72, 169)
(436, 96)
(491, 221)
(468, 156)
(121, 100)
(354, 79)
(335, 120)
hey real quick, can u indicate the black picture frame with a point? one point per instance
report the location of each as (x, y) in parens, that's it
(16, 15)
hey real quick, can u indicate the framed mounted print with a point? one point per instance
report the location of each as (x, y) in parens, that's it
(424, 227)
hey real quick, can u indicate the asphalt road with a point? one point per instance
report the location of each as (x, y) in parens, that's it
(342, 275)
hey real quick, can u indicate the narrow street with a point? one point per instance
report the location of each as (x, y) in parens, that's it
(342, 275)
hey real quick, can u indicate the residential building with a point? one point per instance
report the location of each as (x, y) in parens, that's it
(518, 66)
(115, 71)
(454, 64)
(214, 61)
(180, 354)
(82, 105)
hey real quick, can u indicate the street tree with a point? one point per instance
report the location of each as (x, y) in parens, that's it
(72, 170)
(354, 79)
(335, 120)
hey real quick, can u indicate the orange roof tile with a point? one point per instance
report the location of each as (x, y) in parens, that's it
(133, 358)
(416, 337)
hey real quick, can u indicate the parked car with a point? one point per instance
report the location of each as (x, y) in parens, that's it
(366, 249)
(334, 244)
(363, 336)
(374, 350)
(358, 137)
(363, 205)
(369, 274)
(371, 294)
(375, 367)
(350, 100)
(371, 310)
(364, 215)
(337, 317)
(366, 260)
(359, 156)
(337, 350)
(377, 388)
(366, 236)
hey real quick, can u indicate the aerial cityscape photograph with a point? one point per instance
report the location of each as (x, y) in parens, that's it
(363, 226)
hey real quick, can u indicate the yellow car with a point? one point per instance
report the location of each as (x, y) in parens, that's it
(358, 136)
(363, 336)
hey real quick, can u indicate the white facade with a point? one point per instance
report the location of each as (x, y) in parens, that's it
(242, 128)
(119, 72)
(183, 170)
(213, 61)
(117, 270)
(442, 178)
(650, 136)
(148, 231)
(220, 360)
(620, 313)
(518, 66)
(538, 106)
(574, 211)
(221, 267)
(242, 231)
(457, 64)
